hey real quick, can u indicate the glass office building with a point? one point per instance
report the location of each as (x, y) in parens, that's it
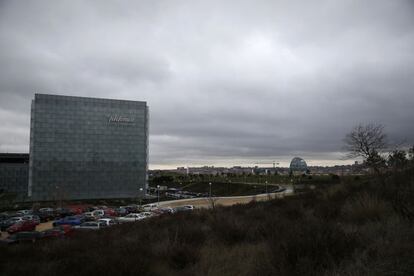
(14, 175)
(87, 148)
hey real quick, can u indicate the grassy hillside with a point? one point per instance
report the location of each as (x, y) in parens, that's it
(238, 186)
(353, 228)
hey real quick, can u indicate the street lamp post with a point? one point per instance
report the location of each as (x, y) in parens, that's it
(140, 196)
(158, 194)
(266, 186)
(210, 188)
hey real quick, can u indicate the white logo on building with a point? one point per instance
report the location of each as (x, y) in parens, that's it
(120, 119)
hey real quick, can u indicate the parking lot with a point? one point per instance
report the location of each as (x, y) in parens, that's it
(147, 211)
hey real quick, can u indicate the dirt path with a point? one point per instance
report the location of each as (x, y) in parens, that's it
(223, 201)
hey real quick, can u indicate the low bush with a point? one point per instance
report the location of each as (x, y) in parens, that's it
(365, 207)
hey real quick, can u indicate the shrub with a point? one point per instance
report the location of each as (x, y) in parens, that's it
(365, 207)
(356, 227)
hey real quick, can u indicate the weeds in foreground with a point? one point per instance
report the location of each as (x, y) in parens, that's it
(354, 228)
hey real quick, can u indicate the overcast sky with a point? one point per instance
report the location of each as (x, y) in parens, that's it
(227, 82)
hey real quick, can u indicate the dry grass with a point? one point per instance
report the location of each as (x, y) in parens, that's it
(355, 228)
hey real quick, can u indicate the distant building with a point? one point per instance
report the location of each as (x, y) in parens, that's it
(14, 175)
(298, 165)
(87, 148)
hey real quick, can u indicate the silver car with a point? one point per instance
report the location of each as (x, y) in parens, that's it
(107, 221)
(91, 225)
(34, 218)
(131, 217)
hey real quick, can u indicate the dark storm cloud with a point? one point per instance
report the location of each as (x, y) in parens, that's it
(227, 82)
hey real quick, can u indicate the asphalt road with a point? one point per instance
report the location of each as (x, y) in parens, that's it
(206, 202)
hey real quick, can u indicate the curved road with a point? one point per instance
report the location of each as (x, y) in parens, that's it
(206, 202)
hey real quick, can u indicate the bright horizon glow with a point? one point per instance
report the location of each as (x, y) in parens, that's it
(282, 164)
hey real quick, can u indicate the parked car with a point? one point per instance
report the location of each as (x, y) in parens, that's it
(24, 212)
(131, 217)
(167, 210)
(45, 216)
(24, 225)
(108, 221)
(109, 212)
(121, 211)
(147, 214)
(184, 208)
(63, 212)
(67, 229)
(58, 232)
(76, 210)
(4, 216)
(34, 218)
(21, 237)
(98, 213)
(9, 222)
(47, 209)
(88, 216)
(71, 220)
(91, 225)
(150, 207)
(279, 189)
(132, 208)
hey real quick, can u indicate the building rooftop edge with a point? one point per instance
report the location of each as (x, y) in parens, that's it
(81, 97)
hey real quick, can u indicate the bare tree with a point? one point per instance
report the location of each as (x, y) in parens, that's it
(367, 141)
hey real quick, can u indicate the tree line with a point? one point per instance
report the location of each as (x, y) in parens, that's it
(370, 142)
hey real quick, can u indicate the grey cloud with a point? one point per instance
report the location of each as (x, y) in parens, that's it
(226, 81)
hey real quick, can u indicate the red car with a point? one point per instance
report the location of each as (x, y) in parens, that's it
(58, 232)
(76, 210)
(25, 225)
(110, 212)
(66, 229)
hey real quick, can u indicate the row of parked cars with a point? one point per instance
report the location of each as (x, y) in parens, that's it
(32, 236)
(21, 225)
(179, 194)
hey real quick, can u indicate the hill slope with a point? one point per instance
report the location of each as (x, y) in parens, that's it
(354, 228)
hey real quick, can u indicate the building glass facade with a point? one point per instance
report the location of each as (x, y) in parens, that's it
(87, 148)
(14, 175)
(298, 165)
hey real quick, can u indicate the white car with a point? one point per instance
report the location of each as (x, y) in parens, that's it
(88, 214)
(147, 214)
(167, 210)
(24, 212)
(45, 210)
(184, 208)
(98, 213)
(132, 217)
(107, 221)
(150, 207)
(34, 218)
